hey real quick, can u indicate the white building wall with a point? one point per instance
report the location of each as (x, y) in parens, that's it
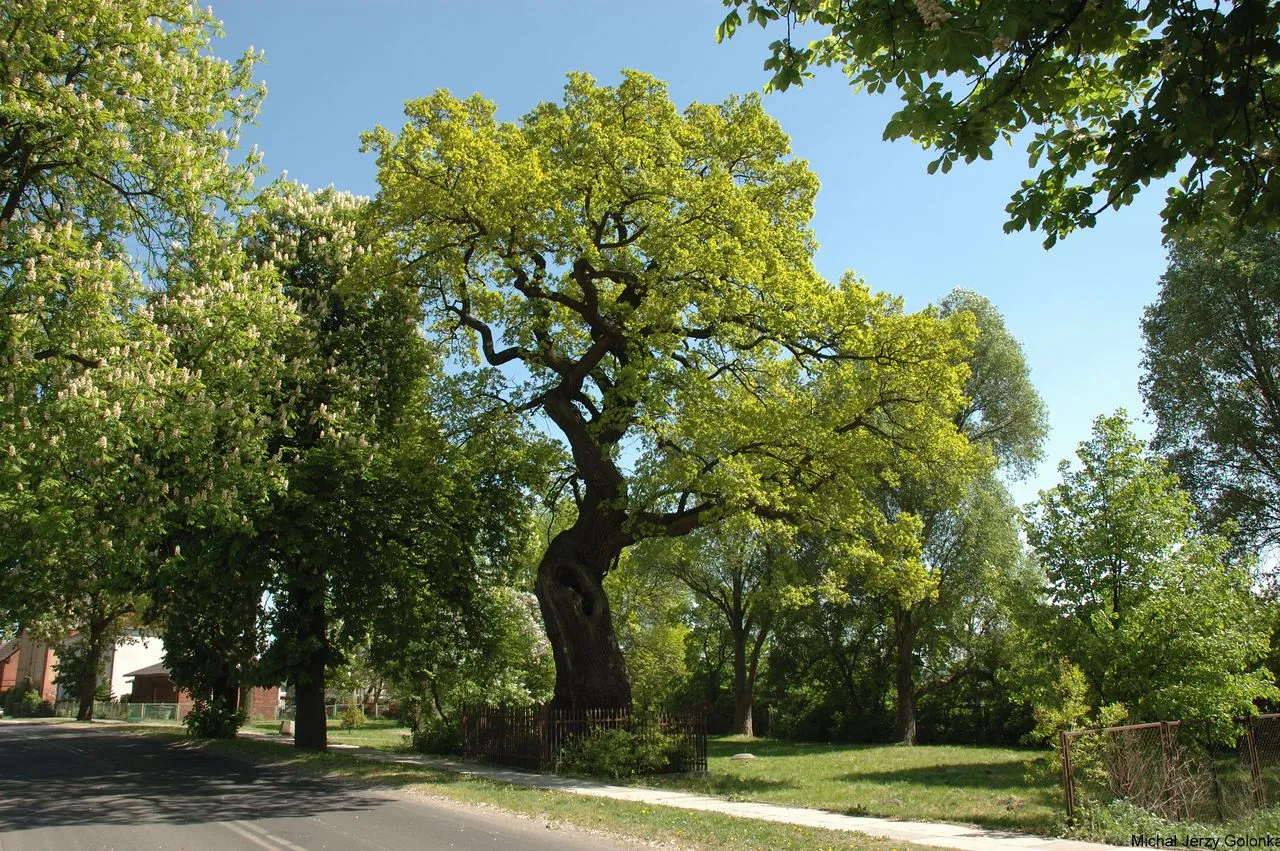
(130, 654)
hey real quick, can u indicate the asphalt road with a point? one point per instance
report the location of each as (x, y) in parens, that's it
(65, 787)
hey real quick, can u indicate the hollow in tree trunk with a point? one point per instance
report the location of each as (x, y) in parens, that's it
(590, 670)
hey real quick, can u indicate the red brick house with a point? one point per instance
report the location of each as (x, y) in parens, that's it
(24, 658)
(153, 684)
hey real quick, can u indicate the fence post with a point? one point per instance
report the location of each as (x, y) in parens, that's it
(1171, 770)
(1255, 767)
(1068, 782)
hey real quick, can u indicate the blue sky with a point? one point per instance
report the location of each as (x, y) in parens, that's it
(335, 69)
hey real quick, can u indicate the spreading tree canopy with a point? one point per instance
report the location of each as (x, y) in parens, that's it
(644, 278)
(1115, 94)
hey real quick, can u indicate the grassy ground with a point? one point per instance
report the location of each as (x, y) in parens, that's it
(384, 734)
(975, 785)
(647, 823)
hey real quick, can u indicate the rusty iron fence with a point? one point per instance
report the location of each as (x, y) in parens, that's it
(534, 737)
(1173, 769)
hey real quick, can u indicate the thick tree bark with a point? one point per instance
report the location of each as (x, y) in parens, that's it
(87, 683)
(590, 670)
(743, 693)
(904, 645)
(746, 664)
(88, 680)
(310, 726)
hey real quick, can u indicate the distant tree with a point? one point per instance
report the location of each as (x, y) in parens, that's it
(1133, 584)
(953, 641)
(830, 671)
(969, 529)
(1117, 94)
(650, 274)
(651, 614)
(738, 569)
(1212, 361)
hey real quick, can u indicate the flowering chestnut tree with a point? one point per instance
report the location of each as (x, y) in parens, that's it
(393, 526)
(116, 128)
(1111, 96)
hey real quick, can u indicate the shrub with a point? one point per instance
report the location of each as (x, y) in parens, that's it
(437, 736)
(618, 753)
(213, 720)
(29, 704)
(23, 701)
(352, 718)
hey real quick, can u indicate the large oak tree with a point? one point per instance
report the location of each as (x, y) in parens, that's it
(643, 276)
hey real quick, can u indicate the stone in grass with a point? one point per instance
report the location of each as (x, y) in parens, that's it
(743, 756)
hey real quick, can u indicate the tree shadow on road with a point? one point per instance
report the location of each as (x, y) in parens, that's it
(64, 777)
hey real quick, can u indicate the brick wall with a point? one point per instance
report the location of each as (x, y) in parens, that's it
(263, 703)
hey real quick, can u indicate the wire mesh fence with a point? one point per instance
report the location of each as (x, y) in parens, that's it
(535, 737)
(102, 710)
(1177, 770)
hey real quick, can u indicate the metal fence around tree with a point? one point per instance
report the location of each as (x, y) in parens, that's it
(1175, 769)
(535, 737)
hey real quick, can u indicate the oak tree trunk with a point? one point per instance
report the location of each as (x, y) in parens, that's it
(904, 646)
(743, 687)
(590, 670)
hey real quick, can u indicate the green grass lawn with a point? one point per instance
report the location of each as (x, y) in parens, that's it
(683, 828)
(384, 733)
(970, 784)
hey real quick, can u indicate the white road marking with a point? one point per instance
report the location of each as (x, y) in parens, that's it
(236, 828)
(278, 840)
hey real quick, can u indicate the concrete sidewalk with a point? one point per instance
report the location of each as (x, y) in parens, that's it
(961, 837)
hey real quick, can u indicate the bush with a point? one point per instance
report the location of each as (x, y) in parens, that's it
(437, 736)
(23, 701)
(352, 718)
(618, 753)
(213, 720)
